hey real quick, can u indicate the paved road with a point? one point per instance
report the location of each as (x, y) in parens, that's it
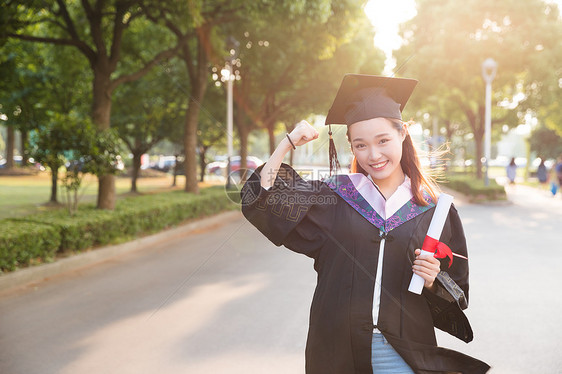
(226, 301)
(515, 298)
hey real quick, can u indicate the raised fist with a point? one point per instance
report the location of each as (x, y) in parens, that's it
(303, 133)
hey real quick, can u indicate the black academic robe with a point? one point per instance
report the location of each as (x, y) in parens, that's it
(311, 218)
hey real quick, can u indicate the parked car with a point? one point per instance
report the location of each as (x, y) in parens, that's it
(219, 167)
(166, 164)
(17, 161)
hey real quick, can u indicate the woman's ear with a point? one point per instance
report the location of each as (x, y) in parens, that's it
(403, 133)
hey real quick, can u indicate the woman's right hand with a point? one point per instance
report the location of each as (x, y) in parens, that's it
(303, 133)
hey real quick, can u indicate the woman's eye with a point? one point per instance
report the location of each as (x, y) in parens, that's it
(383, 141)
(359, 146)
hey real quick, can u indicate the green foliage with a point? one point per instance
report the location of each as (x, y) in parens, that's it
(291, 69)
(102, 150)
(23, 243)
(73, 137)
(52, 140)
(546, 143)
(212, 124)
(150, 109)
(42, 235)
(447, 41)
(475, 188)
(23, 85)
(71, 182)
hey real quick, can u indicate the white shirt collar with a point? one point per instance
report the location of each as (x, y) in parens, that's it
(370, 192)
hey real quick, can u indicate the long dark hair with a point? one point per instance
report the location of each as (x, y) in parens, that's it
(410, 164)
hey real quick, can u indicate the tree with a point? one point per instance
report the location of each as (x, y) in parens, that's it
(203, 41)
(545, 142)
(41, 91)
(447, 41)
(292, 69)
(50, 144)
(72, 137)
(198, 45)
(100, 39)
(146, 112)
(23, 85)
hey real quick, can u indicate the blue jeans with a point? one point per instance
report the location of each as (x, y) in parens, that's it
(385, 360)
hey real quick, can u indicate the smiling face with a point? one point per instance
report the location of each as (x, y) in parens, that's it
(377, 146)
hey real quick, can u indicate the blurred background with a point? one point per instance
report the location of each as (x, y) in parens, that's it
(120, 119)
(115, 97)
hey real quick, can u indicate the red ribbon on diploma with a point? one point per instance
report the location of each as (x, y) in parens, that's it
(439, 250)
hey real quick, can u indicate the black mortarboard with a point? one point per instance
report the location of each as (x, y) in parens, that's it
(362, 97)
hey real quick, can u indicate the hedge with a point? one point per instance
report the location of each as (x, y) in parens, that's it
(40, 237)
(475, 188)
(23, 243)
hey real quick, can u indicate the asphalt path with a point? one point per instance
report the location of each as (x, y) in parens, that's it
(225, 300)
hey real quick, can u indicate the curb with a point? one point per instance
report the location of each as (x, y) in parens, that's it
(38, 273)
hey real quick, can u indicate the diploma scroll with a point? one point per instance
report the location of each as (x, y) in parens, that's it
(435, 228)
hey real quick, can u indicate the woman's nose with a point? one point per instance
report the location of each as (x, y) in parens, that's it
(374, 154)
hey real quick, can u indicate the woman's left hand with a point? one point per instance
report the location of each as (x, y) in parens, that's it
(427, 267)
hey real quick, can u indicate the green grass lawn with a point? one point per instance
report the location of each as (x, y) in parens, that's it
(494, 171)
(22, 195)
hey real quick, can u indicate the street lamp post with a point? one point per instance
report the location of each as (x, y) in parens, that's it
(489, 67)
(229, 77)
(227, 73)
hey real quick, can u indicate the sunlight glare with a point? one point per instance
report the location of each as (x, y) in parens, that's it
(385, 17)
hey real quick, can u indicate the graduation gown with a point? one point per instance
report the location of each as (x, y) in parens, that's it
(332, 223)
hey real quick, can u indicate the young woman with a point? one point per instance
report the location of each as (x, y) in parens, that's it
(511, 171)
(364, 231)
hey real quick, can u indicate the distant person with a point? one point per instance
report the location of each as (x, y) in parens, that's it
(542, 173)
(558, 169)
(511, 171)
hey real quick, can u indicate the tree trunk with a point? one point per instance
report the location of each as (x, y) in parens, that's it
(101, 113)
(198, 89)
(479, 151)
(202, 163)
(243, 128)
(106, 192)
(10, 145)
(271, 135)
(174, 182)
(190, 145)
(24, 147)
(54, 181)
(101, 106)
(243, 133)
(136, 169)
(479, 128)
(449, 128)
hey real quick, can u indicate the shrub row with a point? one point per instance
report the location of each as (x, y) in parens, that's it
(475, 188)
(26, 243)
(38, 238)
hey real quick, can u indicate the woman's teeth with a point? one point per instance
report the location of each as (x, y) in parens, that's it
(379, 165)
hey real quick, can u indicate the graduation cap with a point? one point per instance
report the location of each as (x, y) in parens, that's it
(362, 97)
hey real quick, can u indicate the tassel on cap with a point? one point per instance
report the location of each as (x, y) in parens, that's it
(334, 163)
